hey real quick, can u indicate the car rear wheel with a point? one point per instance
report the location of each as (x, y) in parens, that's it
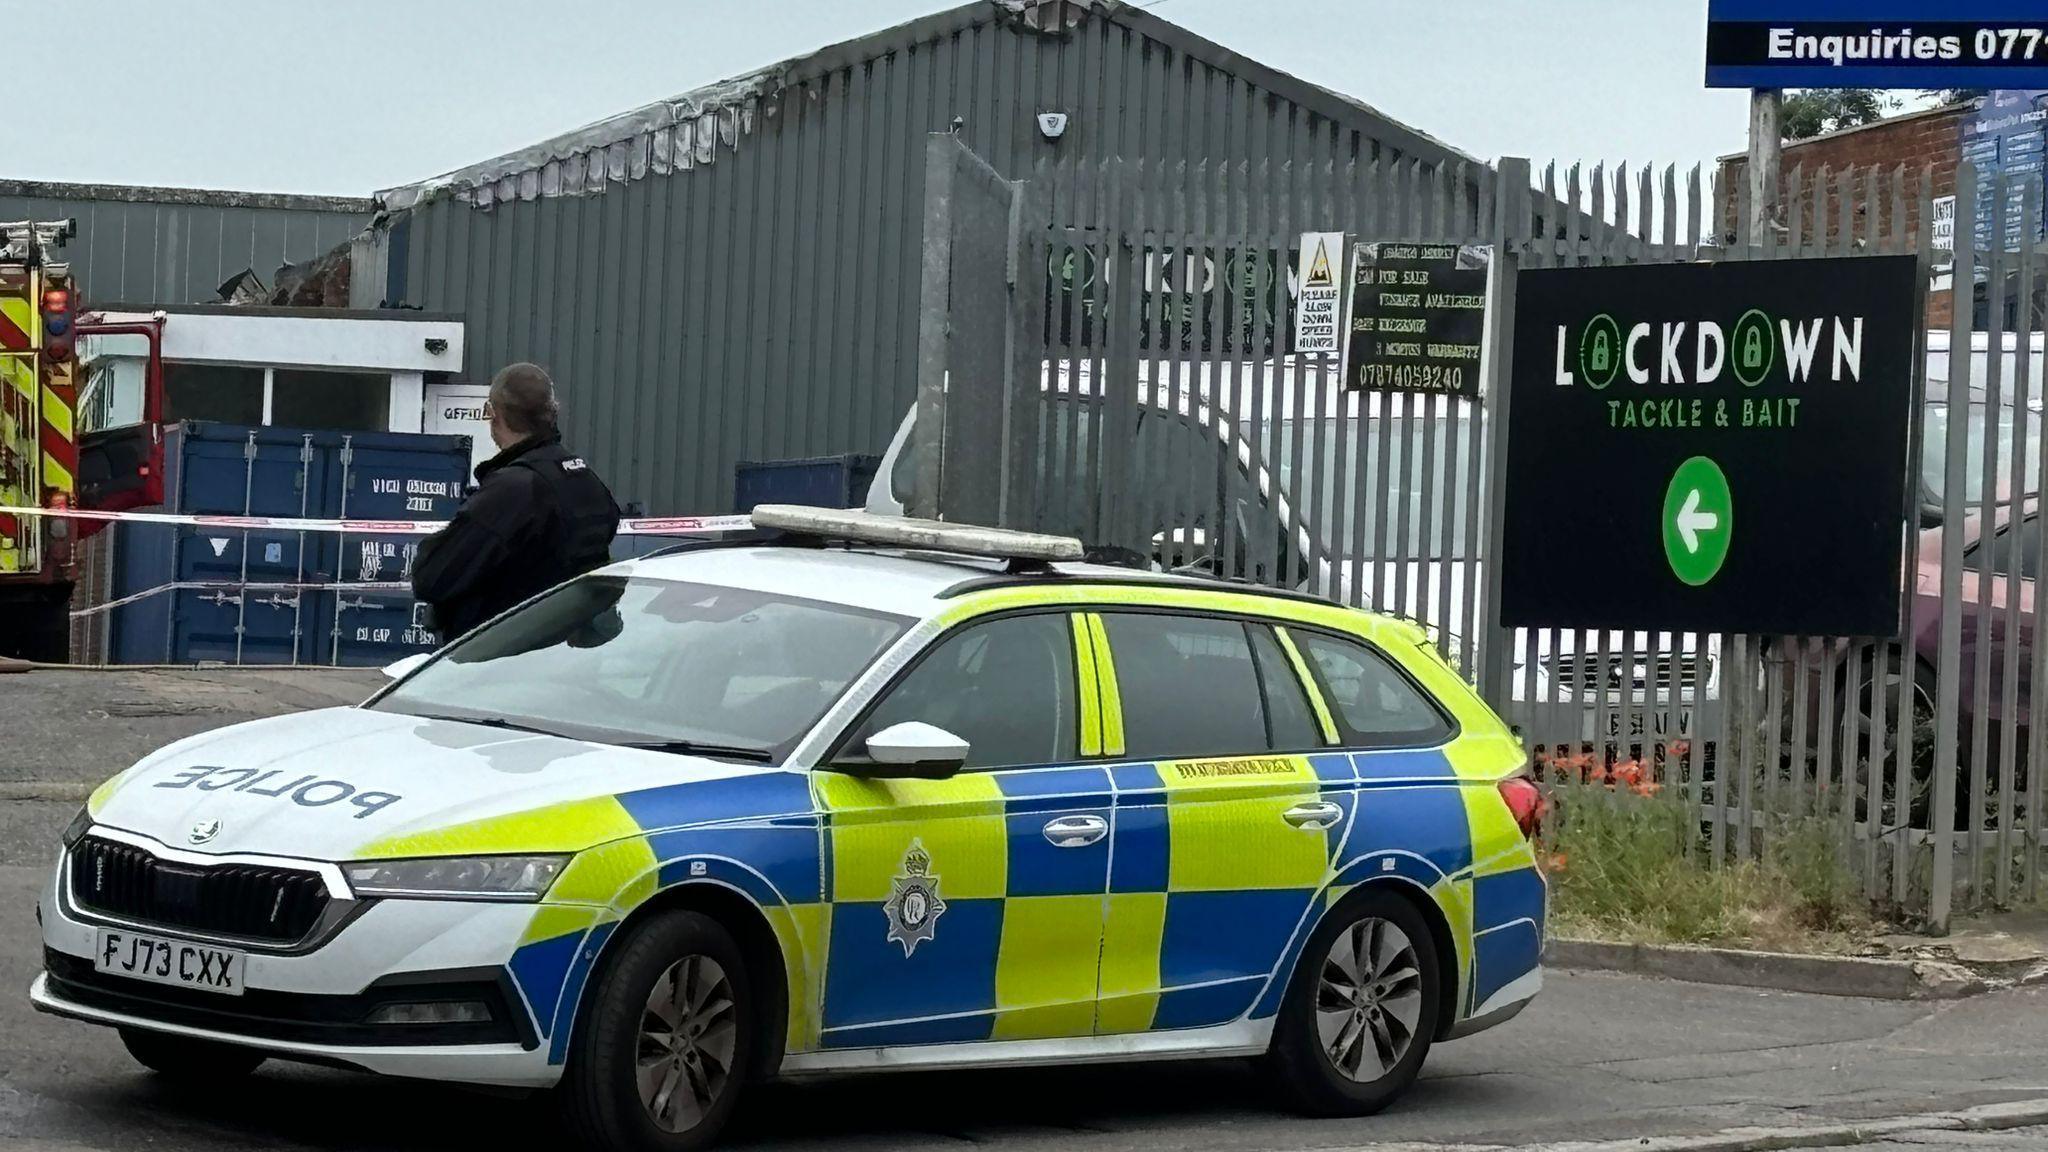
(186, 1060)
(667, 1038)
(1879, 681)
(1362, 1008)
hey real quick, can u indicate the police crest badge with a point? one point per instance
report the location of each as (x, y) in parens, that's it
(914, 907)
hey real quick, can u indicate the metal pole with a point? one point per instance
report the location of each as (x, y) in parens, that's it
(927, 436)
(1949, 654)
(1765, 156)
(1511, 220)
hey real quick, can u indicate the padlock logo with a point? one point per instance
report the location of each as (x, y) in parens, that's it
(1600, 351)
(1755, 348)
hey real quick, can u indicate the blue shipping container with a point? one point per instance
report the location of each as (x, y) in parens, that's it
(385, 476)
(224, 469)
(820, 481)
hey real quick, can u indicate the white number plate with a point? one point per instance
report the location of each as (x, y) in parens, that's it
(1638, 724)
(119, 952)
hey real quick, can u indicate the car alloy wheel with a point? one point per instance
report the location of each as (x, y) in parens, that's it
(1369, 999)
(1362, 1007)
(664, 1043)
(688, 1039)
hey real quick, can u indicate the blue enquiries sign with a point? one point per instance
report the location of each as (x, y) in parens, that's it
(1877, 44)
(2004, 136)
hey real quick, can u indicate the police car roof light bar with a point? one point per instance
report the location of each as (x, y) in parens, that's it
(856, 526)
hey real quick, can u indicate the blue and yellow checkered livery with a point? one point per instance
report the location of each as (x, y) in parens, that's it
(1188, 912)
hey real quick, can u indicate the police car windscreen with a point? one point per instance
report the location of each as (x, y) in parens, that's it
(650, 662)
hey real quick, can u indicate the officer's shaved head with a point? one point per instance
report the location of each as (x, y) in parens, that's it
(523, 398)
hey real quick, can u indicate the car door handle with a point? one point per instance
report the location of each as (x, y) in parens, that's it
(1314, 816)
(1076, 831)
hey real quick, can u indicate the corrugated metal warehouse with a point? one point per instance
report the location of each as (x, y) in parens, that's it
(733, 274)
(159, 246)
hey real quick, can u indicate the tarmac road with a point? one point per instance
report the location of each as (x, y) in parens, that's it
(1597, 1057)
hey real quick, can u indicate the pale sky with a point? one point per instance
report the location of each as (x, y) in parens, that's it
(320, 96)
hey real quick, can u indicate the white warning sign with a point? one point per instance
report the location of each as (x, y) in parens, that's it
(1319, 307)
(219, 543)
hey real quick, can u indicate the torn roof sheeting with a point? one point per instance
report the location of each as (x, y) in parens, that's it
(684, 131)
(675, 134)
(687, 131)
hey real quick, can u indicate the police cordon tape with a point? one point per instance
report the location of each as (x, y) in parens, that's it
(630, 526)
(233, 591)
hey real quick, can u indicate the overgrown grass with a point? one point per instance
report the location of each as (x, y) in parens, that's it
(1631, 864)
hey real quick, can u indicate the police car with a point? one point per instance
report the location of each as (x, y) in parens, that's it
(879, 794)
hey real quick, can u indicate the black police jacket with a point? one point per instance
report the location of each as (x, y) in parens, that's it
(539, 516)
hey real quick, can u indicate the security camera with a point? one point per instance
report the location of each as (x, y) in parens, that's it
(1052, 124)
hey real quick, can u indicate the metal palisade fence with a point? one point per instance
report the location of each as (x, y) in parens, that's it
(1149, 397)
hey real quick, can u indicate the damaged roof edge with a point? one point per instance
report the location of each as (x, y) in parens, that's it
(714, 98)
(196, 197)
(720, 111)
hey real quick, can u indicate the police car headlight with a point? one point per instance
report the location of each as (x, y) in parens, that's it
(457, 877)
(79, 826)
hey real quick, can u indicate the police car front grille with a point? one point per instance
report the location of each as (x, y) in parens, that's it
(277, 905)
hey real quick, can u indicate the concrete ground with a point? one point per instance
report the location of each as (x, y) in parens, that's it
(1599, 1057)
(2017, 1140)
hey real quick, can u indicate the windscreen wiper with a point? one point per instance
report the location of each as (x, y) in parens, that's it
(485, 721)
(700, 748)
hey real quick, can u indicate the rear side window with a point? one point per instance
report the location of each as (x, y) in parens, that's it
(1187, 684)
(1375, 705)
(1289, 722)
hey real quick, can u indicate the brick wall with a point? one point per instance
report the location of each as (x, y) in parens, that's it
(1919, 141)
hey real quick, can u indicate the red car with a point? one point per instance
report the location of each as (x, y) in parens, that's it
(1991, 633)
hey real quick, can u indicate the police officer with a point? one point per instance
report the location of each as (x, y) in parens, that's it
(539, 515)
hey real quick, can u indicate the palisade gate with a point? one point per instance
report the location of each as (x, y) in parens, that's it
(1108, 350)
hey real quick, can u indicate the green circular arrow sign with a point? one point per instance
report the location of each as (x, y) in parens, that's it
(1699, 520)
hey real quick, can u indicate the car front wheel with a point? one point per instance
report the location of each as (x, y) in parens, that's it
(1361, 1010)
(659, 1061)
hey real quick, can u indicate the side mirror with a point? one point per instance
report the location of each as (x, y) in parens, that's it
(402, 667)
(914, 750)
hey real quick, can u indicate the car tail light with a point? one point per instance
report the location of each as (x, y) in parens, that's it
(1525, 800)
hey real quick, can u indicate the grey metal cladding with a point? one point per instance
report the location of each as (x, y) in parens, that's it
(732, 274)
(139, 245)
